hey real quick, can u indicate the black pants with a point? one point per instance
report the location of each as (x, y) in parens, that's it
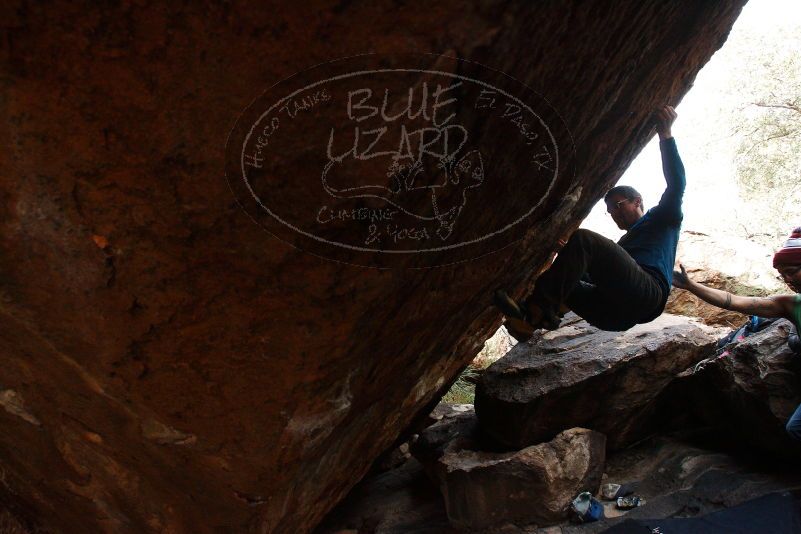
(600, 282)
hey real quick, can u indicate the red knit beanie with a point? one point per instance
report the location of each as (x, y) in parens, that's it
(790, 254)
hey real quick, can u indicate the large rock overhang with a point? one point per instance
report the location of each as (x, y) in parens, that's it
(170, 366)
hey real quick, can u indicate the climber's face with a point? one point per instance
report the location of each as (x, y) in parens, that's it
(624, 211)
(791, 274)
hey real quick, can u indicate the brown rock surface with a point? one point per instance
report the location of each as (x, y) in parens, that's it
(533, 485)
(727, 263)
(399, 501)
(168, 366)
(530, 486)
(685, 303)
(581, 376)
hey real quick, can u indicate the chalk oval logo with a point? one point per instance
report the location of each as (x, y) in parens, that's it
(402, 160)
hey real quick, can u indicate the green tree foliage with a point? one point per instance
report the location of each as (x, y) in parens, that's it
(768, 127)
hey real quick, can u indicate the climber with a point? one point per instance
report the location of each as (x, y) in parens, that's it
(613, 286)
(788, 262)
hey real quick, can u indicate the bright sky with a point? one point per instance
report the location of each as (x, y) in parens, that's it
(703, 130)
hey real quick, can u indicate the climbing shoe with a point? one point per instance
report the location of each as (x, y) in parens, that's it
(515, 310)
(508, 306)
(518, 329)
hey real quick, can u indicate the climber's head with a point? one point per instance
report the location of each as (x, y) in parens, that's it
(787, 261)
(624, 204)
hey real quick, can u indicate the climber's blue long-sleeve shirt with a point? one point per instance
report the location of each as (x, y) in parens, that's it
(653, 239)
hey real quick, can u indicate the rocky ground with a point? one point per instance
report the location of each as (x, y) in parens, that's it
(677, 479)
(689, 439)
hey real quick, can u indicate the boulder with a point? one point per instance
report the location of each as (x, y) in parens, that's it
(745, 397)
(402, 500)
(494, 348)
(453, 422)
(728, 263)
(169, 365)
(738, 261)
(534, 485)
(581, 376)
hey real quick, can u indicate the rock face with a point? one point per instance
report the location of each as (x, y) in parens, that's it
(169, 366)
(534, 485)
(581, 376)
(746, 397)
(399, 501)
(494, 348)
(723, 262)
(455, 423)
